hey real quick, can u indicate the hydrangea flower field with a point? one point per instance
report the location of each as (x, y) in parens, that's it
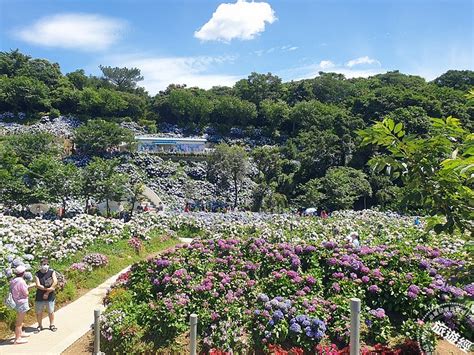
(260, 281)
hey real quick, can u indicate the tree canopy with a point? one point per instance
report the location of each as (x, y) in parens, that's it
(123, 78)
(97, 137)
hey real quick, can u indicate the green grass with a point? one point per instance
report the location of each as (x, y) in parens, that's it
(120, 255)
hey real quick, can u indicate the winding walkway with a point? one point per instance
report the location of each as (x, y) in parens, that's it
(73, 321)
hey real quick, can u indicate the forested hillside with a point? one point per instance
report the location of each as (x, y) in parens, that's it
(310, 124)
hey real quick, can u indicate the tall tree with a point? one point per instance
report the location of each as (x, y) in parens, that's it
(97, 137)
(258, 87)
(13, 187)
(27, 146)
(23, 94)
(107, 184)
(54, 180)
(228, 165)
(340, 188)
(274, 174)
(122, 78)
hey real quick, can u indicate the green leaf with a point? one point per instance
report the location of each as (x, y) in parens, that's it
(398, 127)
(390, 124)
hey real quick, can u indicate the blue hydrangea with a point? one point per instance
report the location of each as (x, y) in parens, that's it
(263, 297)
(278, 315)
(17, 262)
(296, 328)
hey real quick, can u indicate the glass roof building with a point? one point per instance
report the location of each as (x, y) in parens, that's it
(170, 144)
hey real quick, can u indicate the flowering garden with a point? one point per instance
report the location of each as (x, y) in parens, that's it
(282, 285)
(84, 251)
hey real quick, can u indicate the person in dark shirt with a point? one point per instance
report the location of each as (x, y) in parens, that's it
(46, 281)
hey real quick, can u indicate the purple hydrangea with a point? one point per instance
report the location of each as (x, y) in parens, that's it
(374, 289)
(162, 263)
(469, 289)
(96, 259)
(378, 313)
(414, 289)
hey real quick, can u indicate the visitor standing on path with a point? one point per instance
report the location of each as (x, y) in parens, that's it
(46, 281)
(19, 291)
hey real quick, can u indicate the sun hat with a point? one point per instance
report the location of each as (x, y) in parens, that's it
(20, 269)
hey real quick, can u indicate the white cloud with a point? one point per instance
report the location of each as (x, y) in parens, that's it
(289, 48)
(312, 70)
(159, 72)
(88, 32)
(243, 20)
(362, 60)
(326, 64)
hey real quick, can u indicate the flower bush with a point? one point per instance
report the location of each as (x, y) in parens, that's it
(136, 244)
(80, 267)
(303, 266)
(252, 292)
(95, 260)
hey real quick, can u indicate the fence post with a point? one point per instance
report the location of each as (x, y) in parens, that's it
(96, 332)
(355, 327)
(193, 320)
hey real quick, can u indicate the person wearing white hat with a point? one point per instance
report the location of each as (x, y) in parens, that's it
(19, 291)
(353, 238)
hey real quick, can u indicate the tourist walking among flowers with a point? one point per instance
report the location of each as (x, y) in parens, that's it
(19, 292)
(46, 281)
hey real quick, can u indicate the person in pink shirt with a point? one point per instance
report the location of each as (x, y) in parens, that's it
(19, 290)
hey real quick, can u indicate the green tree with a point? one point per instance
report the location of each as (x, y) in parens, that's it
(42, 70)
(436, 171)
(134, 189)
(90, 102)
(12, 62)
(231, 111)
(415, 119)
(340, 188)
(65, 97)
(298, 91)
(97, 137)
(228, 166)
(102, 182)
(273, 176)
(457, 79)
(55, 181)
(123, 78)
(332, 88)
(274, 113)
(315, 114)
(189, 106)
(258, 87)
(316, 151)
(27, 146)
(386, 194)
(13, 187)
(23, 94)
(77, 78)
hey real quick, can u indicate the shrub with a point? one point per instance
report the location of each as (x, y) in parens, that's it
(96, 260)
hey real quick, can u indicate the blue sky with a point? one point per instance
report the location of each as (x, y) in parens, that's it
(205, 43)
